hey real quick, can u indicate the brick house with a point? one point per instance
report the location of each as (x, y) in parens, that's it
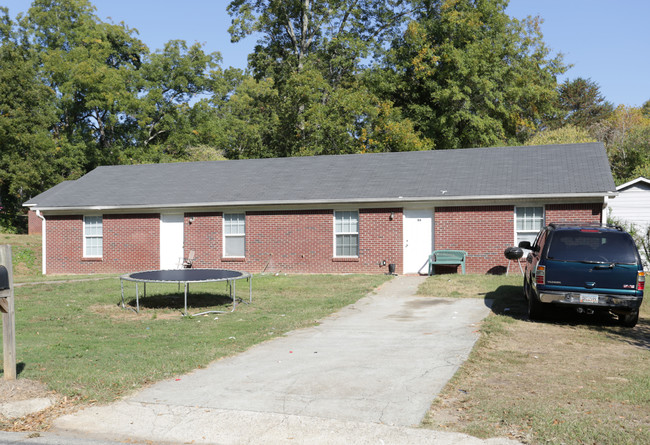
(322, 214)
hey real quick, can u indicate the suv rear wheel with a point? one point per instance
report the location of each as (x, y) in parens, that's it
(629, 320)
(535, 308)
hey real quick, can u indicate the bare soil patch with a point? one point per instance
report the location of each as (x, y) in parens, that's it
(22, 389)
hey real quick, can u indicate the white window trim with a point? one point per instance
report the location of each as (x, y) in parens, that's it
(346, 233)
(223, 230)
(514, 213)
(85, 237)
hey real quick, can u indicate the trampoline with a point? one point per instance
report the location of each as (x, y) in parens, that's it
(185, 277)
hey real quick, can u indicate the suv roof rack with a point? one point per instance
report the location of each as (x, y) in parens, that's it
(590, 224)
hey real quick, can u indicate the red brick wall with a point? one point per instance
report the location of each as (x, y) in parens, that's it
(298, 241)
(34, 223)
(203, 233)
(131, 242)
(573, 213)
(484, 232)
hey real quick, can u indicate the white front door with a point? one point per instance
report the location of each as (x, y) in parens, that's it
(171, 241)
(418, 239)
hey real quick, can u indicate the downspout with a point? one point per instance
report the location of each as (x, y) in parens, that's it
(603, 216)
(43, 242)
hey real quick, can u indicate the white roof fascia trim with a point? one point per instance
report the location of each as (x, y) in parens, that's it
(633, 181)
(391, 200)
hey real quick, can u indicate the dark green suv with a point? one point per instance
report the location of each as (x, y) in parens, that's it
(587, 267)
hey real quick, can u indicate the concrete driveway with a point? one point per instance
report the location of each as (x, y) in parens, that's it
(366, 374)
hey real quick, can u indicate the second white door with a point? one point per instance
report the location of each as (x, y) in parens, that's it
(418, 239)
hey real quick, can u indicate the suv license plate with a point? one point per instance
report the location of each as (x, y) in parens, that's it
(588, 298)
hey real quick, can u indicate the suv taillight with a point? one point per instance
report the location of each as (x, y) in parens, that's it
(640, 281)
(540, 275)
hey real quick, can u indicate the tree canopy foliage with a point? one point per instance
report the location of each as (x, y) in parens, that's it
(326, 77)
(311, 55)
(469, 75)
(581, 104)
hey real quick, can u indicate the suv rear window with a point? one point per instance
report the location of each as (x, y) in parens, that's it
(592, 245)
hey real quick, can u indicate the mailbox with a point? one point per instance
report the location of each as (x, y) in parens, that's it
(4, 278)
(5, 289)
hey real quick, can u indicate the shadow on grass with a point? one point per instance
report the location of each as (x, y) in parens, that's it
(639, 336)
(510, 301)
(176, 301)
(20, 367)
(507, 300)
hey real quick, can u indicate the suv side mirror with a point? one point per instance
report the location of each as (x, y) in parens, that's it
(525, 245)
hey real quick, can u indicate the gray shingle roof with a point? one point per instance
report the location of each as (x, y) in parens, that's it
(535, 171)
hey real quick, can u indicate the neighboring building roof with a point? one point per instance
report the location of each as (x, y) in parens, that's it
(640, 180)
(477, 173)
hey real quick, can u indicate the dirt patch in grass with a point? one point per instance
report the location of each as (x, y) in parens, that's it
(570, 379)
(26, 389)
(115, 312)
(22, 389)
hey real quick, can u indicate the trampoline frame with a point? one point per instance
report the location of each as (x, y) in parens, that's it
(230, 282)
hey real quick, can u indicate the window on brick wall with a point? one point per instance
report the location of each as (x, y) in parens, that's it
(346, 234)
(234, 232)
(93, 236)
(529, 220)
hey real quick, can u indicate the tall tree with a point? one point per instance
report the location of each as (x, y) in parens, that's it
(469, 75)
(581, 104)
(313, 52)
(78, 93)
(626, 134)
(645, 108)
(92, 67)
(28, 155)
(171, 80)
(292, 30)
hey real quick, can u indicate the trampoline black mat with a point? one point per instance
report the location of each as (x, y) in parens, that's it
(186, 275)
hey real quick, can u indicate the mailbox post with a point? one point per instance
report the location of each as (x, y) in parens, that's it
(7, 310)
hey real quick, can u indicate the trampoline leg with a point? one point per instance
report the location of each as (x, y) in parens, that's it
(137, 298)
(144, 294)
(186, 287)
(234, 295)
(250, 289)
(122, 286)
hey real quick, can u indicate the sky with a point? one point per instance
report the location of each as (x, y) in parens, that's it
(605, 40)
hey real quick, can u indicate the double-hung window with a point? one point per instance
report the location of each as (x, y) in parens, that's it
(234, 233)
(529, 221)
(93, 237)
(346, 233)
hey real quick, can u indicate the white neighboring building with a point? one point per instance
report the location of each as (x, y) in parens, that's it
(633, 202)
(632, 205)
